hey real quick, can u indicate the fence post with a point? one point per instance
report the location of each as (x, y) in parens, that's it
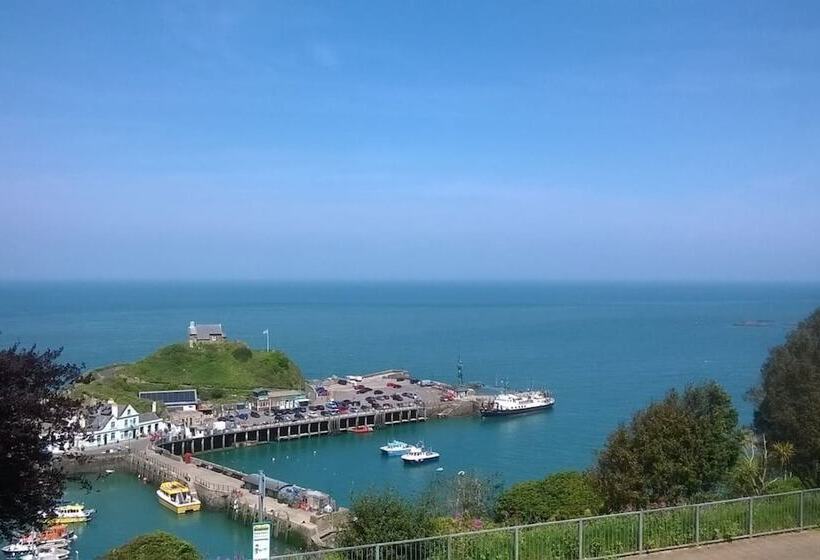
(640, 531)
(751, 513)
(517, 535)
(449, 548)
(697, 524)
(802, 492)
(378, 551)
(580, 539)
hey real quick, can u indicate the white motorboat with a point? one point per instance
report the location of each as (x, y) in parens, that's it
(395, 448)
(419, 454)
(18, 549)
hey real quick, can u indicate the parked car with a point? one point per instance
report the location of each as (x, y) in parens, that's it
(394, 385)
(397, 398)
(378, 392)
(341, 381)
(243, 416)
(254, 414)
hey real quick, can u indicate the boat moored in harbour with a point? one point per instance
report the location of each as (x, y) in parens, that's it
(177, 497)
(363, 429)
(395, 448)
(419, 454)
(509, 404)
(71, 513)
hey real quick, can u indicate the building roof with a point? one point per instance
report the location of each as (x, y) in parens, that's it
(148, 417)
(205, 332)
(171, 398)
(275, 394)
(99, 421)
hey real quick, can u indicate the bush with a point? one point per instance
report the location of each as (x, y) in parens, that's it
(242, 354)
(383, 517)
(563, 495)
(672, 451)
(154, 546)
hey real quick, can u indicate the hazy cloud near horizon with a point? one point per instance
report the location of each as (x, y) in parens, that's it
(466, 141)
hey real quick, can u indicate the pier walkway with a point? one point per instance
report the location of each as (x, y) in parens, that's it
(212, 485)
(791, 546)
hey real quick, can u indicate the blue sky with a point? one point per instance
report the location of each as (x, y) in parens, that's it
(410, 140)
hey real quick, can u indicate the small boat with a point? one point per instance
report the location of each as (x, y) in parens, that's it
(56, 534)
(18, 549)
(51, 552)
(395, 448)
(419, 454)
(363, 429)
(71, 513)
(177, 497)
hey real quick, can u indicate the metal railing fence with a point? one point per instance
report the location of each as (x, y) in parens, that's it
(605, 536)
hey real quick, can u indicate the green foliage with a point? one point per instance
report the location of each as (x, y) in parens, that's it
(154, 546)
(229, 369)
(465, 497)
(563, 495)
(34, 412)
(242, 354)
(383, 517)
(788, 398)
(672, 451)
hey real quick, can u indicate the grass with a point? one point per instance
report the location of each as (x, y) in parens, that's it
(221, 372)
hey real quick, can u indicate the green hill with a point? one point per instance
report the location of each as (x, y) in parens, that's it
(220, 372)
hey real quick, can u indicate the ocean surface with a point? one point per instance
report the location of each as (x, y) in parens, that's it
(604, 350)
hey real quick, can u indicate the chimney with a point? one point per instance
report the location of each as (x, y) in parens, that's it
(115, 410)
(154, 406)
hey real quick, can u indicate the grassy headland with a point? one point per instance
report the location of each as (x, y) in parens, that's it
(220, 372)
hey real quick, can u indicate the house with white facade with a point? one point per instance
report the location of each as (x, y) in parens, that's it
(111, 424)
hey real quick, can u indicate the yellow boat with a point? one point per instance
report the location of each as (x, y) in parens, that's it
(177, 497)
(71, 513)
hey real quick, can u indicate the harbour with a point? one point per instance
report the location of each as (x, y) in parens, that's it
(600, 370)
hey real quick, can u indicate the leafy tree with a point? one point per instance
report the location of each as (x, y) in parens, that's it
(35, 412)
(382, 517)
(462, 496)
(562, 495)
(154, 546)
(788, 397)
(672, 451)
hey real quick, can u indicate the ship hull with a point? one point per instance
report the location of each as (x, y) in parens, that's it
(492, 413)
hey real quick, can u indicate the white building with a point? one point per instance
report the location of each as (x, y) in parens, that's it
(110, 425)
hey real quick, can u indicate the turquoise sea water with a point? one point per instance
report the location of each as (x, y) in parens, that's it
(604, 350)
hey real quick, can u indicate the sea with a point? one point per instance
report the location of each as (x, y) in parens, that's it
(603, 349)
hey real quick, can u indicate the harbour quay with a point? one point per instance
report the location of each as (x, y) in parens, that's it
(265, 432)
